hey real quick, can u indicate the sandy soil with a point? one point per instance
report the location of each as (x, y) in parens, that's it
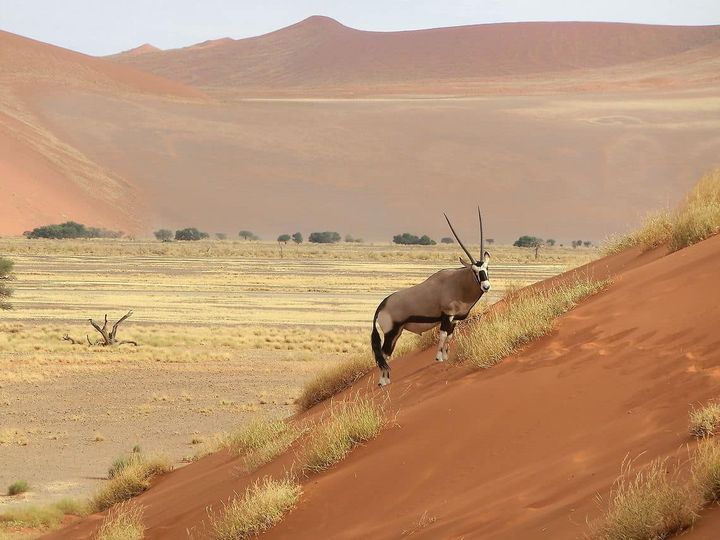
(518, 451)
(62, 430)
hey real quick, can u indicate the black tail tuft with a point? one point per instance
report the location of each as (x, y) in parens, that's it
(376, 342)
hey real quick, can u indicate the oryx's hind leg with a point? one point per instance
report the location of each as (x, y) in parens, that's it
(446, 329)
(389, 341)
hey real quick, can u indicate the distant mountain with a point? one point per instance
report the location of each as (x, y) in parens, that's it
(321, 54)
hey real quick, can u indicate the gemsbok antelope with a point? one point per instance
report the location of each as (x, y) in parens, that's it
(444, 298)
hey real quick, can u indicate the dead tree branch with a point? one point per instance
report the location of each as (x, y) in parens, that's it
(110, 338)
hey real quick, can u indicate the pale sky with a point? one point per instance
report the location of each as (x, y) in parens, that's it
(102, 27)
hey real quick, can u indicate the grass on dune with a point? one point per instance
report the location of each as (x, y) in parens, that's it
(260, 441)
(705, 420)
(18, 487)
(347, 424)
(334, 380)
(124, 522)
(706, 470)
(651, 506)
(262, 506)
(490, 338)
(130, 481)
(697, 218)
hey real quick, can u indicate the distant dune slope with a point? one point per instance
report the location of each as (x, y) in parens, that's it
(43, 177)
(517, 451)
(320, 53)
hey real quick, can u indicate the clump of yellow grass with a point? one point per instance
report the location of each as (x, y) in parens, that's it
(346, 425)
(697, 218)
(260, 441)
(524, 317)
(651, 506)
(124, 522)
(130, 481)
(706, 470)
(334, 380)
(705, 420)
(263, 505)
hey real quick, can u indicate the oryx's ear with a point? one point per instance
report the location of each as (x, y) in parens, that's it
(465, 263)
(486, 257)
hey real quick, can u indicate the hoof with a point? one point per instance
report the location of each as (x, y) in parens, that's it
(384, 382)
(441, 359)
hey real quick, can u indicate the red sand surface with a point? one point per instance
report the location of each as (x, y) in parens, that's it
(321, 55)
(517, 451)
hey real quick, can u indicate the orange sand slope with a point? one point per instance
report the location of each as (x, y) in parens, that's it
(43, 176)
(320, 55)
(517, 451)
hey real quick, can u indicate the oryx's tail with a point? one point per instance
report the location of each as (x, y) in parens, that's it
(376, 342)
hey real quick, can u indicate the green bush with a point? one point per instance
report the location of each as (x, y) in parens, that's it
(326, 237)
(191, 233)
(71, 229)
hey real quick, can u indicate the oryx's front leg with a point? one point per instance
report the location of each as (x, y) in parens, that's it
(447, 325)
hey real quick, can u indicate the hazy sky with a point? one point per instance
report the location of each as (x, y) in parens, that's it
(106, 26)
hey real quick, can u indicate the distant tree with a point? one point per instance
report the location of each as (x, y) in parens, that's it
(6, 275)
(284, 238)
(349, 238)
(71, 229)
(587, 243)
(528, 241)
(247, 235)
(190, 233)
(407, 239)
(550, 242)
(164, 235)
(576, 244)
(425, 240)
(326, 237)
(297, 238)
(490, 241)
(447, 240)
(221, 236)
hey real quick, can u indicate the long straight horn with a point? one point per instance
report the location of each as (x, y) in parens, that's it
(472, 259)
(482, 240)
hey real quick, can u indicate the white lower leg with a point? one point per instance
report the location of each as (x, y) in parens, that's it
(441, 344)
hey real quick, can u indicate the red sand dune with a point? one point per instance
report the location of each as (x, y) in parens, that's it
(321, 53)
(517, 451)
(43, 177)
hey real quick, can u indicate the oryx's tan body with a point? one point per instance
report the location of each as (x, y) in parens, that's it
(451, 292)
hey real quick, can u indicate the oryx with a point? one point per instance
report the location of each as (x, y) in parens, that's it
(444, 298)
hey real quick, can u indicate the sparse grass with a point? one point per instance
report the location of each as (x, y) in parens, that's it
(124, 522)
(263, 505)
(128, 482)
(261, 440)
(34, 517)
(651, 506)
(72, 507)
(655, 231)
(705, 420)
(18, 487)
(423, 522)
(334, 380)
(348, 424)
(696, 219)
(706, 470)
(492, 337)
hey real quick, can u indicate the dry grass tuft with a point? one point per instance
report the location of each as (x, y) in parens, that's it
(704, 421)
(124, 522)
(263, 505)
(334, 380)
(18, 487)
(651, 506)
(129, 482)
(655, 231)
(490, 338)
(697, 218)
(261, 441)
(348, 424)
(35, 517)
(706, 470)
